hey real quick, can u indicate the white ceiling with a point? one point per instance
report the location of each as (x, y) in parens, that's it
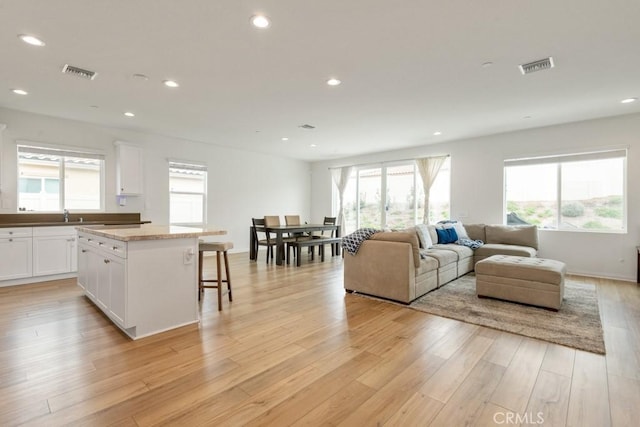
(408, 67)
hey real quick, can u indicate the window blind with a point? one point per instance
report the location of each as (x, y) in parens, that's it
(187, 166)
(579, 157)
(25, 149)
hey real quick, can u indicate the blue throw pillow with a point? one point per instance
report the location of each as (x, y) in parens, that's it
(447, 235)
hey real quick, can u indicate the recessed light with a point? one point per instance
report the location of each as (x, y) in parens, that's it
(333, 82)
(19, 92)
(436, 133)
(260, 21)
(285, 138)
(129, 114)
(170, 83)
(139, 76)
(487, 64)
(34, 41)
(629, 100)
(526, 117)
(312, 145)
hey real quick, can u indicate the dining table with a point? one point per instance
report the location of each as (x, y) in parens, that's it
(281, 230)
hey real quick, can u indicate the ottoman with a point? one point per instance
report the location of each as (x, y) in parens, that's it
(533, 281)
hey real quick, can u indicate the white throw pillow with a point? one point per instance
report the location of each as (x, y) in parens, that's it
(424, 236)
(433, 234)
(460, 230)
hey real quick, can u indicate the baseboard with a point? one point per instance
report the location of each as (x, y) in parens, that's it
(599, 276)
(37, 279)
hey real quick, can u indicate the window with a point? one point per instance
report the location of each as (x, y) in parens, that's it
(51, 180)
(370, 197)
(187, 193)
(439, 205)
(402, 204)
(582, 192)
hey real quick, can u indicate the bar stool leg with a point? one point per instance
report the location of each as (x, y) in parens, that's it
(219, 281)
(199, 274)
(226, 267)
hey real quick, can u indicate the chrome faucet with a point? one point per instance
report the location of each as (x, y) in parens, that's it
(66, 215)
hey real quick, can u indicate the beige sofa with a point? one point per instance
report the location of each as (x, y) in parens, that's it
(392, 265)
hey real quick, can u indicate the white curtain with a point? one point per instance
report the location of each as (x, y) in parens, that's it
(429, 168)
(341, 179)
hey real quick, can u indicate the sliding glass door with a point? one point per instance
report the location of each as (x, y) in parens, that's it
(390, 195)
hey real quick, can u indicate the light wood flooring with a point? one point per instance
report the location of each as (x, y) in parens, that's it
(294, 349)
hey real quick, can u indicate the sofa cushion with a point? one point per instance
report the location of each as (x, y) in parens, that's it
(490, 249)
(476, 231)
(526, 235)
(523, 268)
(462, 251)
(402, 236)
(444, 256)
(427, 264)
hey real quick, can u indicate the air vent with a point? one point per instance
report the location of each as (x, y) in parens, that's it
(78, 72)
(305, 126)
(539, 65)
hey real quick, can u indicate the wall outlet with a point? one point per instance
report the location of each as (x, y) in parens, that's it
(188, 256)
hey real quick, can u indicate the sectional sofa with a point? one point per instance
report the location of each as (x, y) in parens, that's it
(395, 265)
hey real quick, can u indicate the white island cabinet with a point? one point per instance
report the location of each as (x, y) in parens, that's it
(143, 277)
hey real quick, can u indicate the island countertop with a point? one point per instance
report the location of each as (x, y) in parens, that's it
(149, 232)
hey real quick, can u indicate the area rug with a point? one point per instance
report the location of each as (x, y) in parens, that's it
(577, 323)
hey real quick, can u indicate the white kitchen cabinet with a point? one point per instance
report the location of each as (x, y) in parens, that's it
(103, 275)
(118, 290)
(83, 266)
(111, 286)
(92, 261)
(103, 282)
(54, 250)
(15, 253)
(129, 173)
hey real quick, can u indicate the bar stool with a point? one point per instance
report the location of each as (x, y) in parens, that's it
(218, 248)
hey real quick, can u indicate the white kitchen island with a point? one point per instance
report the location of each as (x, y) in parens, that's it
(143, 277)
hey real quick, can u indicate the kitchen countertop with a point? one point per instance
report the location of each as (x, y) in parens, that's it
(56, 219)
(70, 223)
(149, 232)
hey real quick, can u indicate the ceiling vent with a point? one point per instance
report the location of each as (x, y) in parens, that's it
(306, 126)
(78, 72)
(539, 65)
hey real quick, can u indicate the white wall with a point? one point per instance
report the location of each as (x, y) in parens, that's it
(477, 186)
(241, 184)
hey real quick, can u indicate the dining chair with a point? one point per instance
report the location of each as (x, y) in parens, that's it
(274, 221)
(329, 236)
(259, 223)
(292, 219)
(295, 220)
